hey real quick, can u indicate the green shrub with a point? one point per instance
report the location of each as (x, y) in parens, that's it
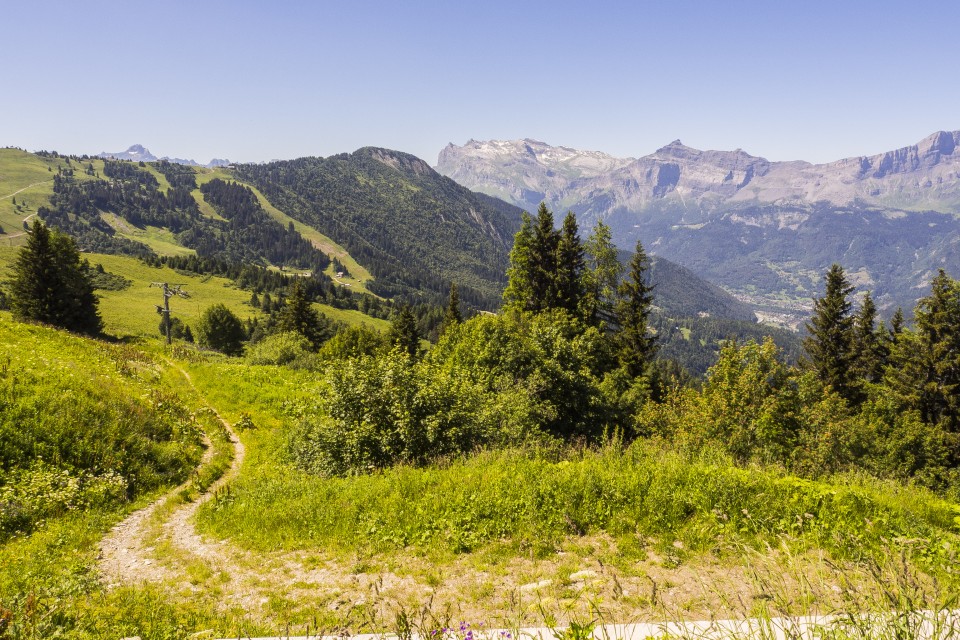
(279, 349)
(219, 329)
(491, 381)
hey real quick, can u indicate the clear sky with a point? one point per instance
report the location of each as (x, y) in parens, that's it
(254, 81)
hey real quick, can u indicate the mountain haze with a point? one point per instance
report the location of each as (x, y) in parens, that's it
(764, 230)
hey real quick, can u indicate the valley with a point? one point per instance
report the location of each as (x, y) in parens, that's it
(762, 230)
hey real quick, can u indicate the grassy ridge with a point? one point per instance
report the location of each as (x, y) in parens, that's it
(534, 500)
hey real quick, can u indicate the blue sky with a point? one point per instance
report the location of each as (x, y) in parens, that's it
(255, 81)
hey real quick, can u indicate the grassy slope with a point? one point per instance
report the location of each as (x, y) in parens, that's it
(132, 311)
(162, 241)
(359, 276)
(23, 170)
(516, 501)
(48, 579)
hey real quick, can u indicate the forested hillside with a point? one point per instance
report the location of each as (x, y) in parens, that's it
(414, 229)
(245, 233)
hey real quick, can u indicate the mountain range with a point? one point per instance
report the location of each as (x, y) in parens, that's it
(766, 231)
(139, 153)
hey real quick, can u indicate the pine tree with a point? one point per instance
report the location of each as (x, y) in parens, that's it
(51, 284)
(568, 278)
(404, 333)
(829, 346)
(896, 324)
(299, 315)
(870, 350)
(601, 276)
(636, 345)
(452, 315)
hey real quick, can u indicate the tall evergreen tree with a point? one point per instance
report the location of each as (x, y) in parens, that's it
(870, 350)
(926, 371)
(568, 280)
(299, 315)
(404, 333)
(896, 324)
(452, 315)
(636, 345)
(543, 262)
(829, 346)
(519, 292)
(51, 284)
(601, 276)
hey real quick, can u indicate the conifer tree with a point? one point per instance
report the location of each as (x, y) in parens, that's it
(543, 262)
(601, 276)
(51, 284)
(636, 345)
(869, 347)
(568, 279)
(896, 324)
(519, 292)
(452, 315)
(299, 315)
(926, 371)
(829, 346)
(404, 333)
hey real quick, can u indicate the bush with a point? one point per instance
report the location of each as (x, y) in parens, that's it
(279, 349)
(492, 381)
(219, 329)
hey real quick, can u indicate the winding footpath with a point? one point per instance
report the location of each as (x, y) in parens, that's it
(126, 556)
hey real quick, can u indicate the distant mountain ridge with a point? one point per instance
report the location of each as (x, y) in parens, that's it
(764, 230)
(924, 176)
(139, 153)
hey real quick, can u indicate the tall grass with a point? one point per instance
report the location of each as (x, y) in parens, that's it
(534, 500)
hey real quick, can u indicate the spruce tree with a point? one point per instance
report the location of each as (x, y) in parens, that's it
(299, 315)
(452, 315)
(869, 347)
(829, 346)
(896, 324)
(51, 284)
(926, 371)
(568, 278)
(601, 277)
(543, 262)
(404, 333)
(519, 292)
(636, 345)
